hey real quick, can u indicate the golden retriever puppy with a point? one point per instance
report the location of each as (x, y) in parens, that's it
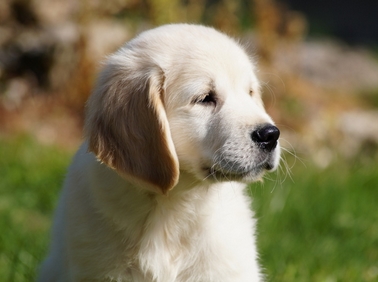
(174, 129)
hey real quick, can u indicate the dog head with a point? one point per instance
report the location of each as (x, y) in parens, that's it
(181, 97)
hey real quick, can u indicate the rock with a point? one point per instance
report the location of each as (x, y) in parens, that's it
(359, 128)
(330, 64)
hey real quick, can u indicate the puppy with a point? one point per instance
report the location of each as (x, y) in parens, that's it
(173, 129)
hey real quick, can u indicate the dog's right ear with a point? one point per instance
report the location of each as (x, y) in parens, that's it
(126, 125)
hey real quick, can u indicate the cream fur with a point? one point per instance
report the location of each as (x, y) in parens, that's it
(156, 191)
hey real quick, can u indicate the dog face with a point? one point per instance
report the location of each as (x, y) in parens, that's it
(181, 97)
(217, 120)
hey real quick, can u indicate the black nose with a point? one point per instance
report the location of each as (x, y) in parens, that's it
(266, 137)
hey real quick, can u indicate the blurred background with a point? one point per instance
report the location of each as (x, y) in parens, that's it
(318, 63)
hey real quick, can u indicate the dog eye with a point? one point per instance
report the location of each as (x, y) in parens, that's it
(207, 99)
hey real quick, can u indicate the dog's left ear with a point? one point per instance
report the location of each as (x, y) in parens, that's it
(126, 124)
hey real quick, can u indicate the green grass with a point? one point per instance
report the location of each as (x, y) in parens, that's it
(31, 176)
(320, 226)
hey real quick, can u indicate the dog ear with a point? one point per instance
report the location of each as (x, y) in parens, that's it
(126, 124)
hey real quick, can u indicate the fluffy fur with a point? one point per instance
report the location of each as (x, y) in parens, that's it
(156, 191)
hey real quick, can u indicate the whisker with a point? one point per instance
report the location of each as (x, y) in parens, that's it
(292, 151)
(276, 75)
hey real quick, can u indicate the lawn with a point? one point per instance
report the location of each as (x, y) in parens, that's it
(31, 177)
(319, 225)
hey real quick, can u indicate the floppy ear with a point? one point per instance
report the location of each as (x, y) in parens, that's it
(126, 124)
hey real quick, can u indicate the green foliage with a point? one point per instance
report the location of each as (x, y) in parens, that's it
(318, 226)
(31, 176)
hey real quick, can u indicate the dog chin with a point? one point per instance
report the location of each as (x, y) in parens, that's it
(247, 176)
(240, 176)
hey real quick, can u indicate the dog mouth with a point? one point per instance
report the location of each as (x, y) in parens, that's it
(248, 173)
